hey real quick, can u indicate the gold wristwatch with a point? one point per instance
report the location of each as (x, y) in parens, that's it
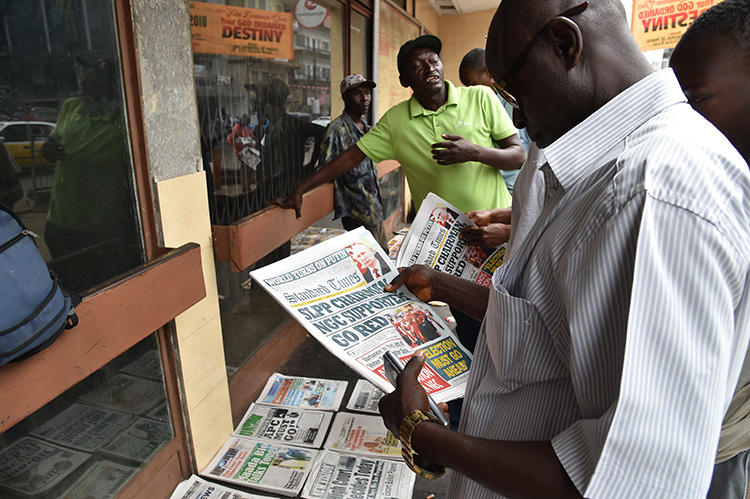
(429, 471)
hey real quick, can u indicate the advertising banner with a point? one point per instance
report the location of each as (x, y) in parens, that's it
(221, 29)
(659, 24)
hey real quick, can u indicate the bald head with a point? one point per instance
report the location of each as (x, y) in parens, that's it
(521, 20)
(562, 60)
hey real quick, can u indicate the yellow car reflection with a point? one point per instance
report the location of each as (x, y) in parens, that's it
(18, 136)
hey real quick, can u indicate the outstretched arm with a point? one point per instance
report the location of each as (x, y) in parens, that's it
(337, 166)
(509, 155)
(515, 469)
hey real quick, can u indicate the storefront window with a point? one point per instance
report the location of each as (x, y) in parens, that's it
(65, 148)
(62, 121)
(391, 189)
(263, 74)
(267, 77)
(93, 438)
(395, 30)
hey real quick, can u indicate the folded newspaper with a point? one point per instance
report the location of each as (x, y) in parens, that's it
(83, 427)
(285, 426)
(335, 290)
(103, 479)
(433, 240)
(140, 441)
(279, 469)
(363, 434)
(355, 477)
(31, 467)
(365, 397)
(304, 393)
(197, 488)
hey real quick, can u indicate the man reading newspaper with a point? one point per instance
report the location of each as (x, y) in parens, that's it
(614, 337)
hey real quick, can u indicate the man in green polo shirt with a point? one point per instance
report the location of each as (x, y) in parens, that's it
(450, 140)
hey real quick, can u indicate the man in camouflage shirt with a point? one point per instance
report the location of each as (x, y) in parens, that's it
(357, 196)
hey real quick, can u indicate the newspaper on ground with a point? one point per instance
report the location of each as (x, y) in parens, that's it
(146, 365)
(160, 412)
(284, 425)
(365, 397)
(101, 480)
(83, 427)
(279, 469)
(335, 290)
(196, 487)
(140, 441)
(31, 467)
(345, 476)
(126, 393)
(303, 393)
(362, 434)
(433, 240)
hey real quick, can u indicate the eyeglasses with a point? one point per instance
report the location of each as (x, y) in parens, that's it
(500, 87)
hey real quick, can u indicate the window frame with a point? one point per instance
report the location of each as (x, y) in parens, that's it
(88, 347)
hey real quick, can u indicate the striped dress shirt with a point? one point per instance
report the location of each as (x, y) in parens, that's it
(618, 329)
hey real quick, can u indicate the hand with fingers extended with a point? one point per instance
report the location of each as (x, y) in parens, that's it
(489, 236)
(293, 201)
(419, 279)
(409, 395)
(456, 150)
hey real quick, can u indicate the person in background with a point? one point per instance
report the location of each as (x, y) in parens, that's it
(443, 136)
(356, 197)
(90, 205)
(614, 338)
(289, 149)
(473, 71)
(712, 63)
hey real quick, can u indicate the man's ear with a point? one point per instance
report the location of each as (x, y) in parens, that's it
(404, 82)
(567, 40)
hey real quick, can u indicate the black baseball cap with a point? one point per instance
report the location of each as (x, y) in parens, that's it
(429, 41)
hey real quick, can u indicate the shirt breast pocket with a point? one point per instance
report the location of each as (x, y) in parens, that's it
(519, 343)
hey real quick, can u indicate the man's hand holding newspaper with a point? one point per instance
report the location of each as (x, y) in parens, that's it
(492, 230)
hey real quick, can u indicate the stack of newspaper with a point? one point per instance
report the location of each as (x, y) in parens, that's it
(276, 447)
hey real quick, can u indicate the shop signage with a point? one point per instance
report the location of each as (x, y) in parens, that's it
(659, 24)
(221, 29)
(309, 14)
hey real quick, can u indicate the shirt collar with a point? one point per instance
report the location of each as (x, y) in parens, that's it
(416, 109)
(583, 146)
(348, 118)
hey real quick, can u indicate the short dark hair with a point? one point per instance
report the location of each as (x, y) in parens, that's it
(475, 60)
(731, 17)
